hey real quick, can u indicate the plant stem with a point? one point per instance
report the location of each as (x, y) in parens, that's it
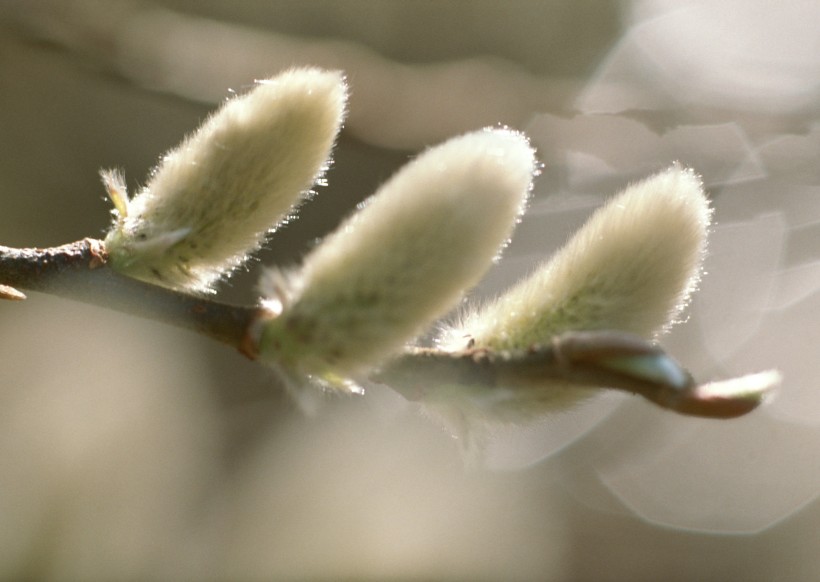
(79, 271)
(605, 359)
(598, 359)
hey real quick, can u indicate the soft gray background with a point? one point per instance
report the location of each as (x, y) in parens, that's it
(130, 450)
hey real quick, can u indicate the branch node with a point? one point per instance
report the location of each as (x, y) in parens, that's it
(98, 253)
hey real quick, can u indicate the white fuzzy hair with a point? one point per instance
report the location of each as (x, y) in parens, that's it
(211, 201)
(406, 257)
(631, 267)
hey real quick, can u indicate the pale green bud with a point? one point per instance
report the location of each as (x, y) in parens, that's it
(212, 200)
(631, 267)
(403, 260)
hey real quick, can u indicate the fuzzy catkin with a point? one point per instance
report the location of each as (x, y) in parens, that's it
(631, 267)
(211, 201)
(404, 259)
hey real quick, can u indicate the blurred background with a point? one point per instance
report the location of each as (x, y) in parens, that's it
(130, 450)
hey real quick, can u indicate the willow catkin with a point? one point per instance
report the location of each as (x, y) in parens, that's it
(403, 259)
(211, 200)
(632, 267)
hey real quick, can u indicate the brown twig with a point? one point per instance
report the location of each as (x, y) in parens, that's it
(79, 271)
(599, 359)
(615, 360)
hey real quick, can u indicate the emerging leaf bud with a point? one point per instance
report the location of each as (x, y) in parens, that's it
(404, 259)
(211, 201)
(631, 267)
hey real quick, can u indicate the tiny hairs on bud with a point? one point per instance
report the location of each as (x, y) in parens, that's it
(632, 267)
(404, 258)
(212, 200)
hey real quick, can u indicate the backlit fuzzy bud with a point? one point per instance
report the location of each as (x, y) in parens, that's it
(212, 200)
(404, 259)
(631, 267)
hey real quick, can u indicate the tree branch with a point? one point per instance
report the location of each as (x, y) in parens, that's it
(606, 359)
(79, 271)
(599, 359)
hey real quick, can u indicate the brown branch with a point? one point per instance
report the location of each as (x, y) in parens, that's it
(601, 359)
(79, 271)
